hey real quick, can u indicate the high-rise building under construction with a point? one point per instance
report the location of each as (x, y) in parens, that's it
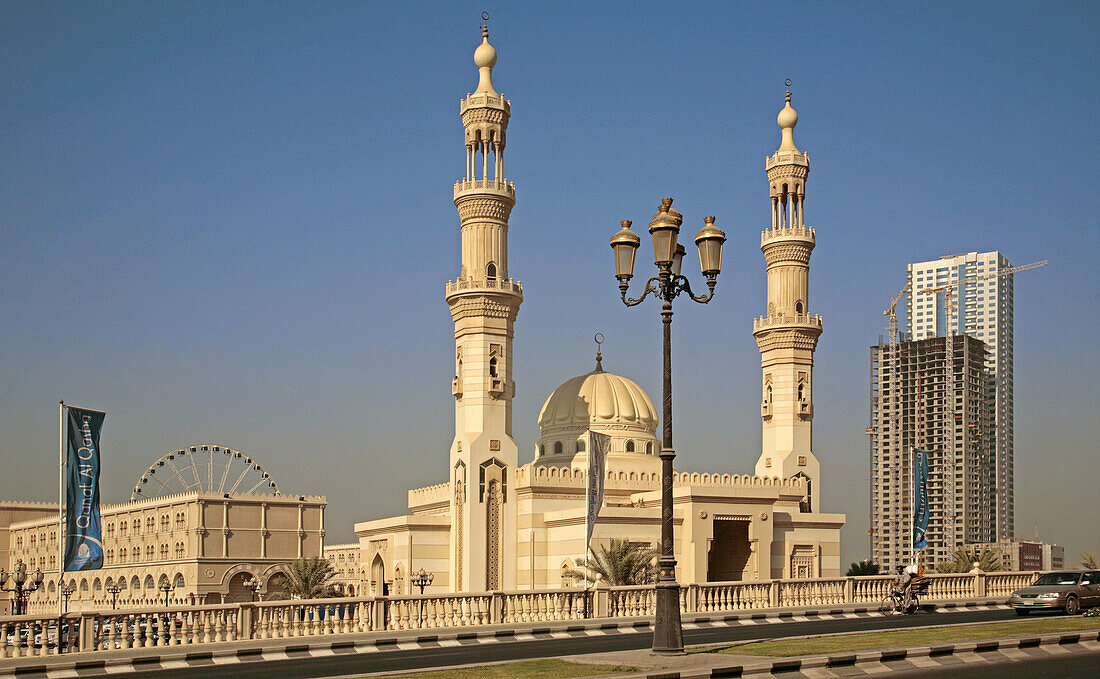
(979, 304)
(912, 407)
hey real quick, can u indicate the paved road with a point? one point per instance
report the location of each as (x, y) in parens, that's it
(1077, 666)
(426, 658)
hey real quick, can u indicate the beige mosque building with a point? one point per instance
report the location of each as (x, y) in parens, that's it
(494, 524)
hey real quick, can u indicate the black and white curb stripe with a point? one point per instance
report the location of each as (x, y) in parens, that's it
(868, 663)
(60, 667)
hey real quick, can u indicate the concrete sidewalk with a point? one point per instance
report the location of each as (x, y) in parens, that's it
(169, 657)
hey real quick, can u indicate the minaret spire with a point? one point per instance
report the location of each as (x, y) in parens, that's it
(787, 336)
(484, 303)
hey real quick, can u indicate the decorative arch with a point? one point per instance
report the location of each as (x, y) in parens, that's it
(630, 446)
(399, 580)
(798, 308)
(377, 575)
(580, 445)
(568, 581)
(557, 448)
(491, 271)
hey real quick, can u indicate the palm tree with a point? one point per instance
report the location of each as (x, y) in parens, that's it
(310, 578)
(963, 560)
(865, 567)
(1088, 561)
(620, 563)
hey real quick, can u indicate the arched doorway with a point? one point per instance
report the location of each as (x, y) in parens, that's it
(238, 593)
(378, 576)
(277, 587)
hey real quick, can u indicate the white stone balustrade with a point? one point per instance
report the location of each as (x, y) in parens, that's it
(37, 635)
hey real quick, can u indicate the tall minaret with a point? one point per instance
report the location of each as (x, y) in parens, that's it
(484, 302)
(787, 336)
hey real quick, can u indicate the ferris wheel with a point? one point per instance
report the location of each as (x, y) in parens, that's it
(204, 469)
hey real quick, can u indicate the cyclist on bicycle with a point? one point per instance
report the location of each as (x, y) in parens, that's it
(903, 584)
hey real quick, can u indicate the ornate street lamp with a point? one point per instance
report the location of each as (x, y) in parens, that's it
(422, 580)
(668, 254)
(67, 590)
(113, 589)
(166, 587)
(253, 585)
(21, 586)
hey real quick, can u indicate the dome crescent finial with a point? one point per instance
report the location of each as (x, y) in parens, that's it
(598, 337)
(485, 58)
(787, 119)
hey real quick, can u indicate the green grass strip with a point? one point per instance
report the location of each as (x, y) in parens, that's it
(864, 641)
(527, 669)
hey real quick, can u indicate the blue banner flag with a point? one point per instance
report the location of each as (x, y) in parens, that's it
(920, 498)
(83, 540)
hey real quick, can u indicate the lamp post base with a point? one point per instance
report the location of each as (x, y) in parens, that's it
(668, 636)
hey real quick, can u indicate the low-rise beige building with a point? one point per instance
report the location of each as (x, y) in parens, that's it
(207, 546)
(349, 578)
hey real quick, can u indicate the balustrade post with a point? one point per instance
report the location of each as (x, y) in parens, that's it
(246, 617)
(849, 590)
(602, 607)
(378, 615)
(773, 593)
(692, 598)
(496, 608)
(87, 632)
(979, 585)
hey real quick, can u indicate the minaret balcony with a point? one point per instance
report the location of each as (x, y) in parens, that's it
(796, 233)
(474, 285)
(502, 187)
(786, 158)
(485, 100)
(784, 322)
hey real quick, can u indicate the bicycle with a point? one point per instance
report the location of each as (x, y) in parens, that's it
(893, 603)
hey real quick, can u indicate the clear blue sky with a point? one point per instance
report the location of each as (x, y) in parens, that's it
(232, 223)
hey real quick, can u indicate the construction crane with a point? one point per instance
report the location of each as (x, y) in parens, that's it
(892, 327)
(949, 371)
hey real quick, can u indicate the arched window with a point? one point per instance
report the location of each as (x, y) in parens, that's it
(542, 449)
(768, 394)
(122, 555)
(491, 271)
(801, 391)
(798, 307)
(557, 447)
(580, 445)
(493, 367)
(649, 448)
(630, 446)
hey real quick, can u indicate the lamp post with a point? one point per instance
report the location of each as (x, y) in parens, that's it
(668, 637)
(166, 587)
(67, 590)
(253, 585)
(422, 580)
(113, 589)
(22, 585)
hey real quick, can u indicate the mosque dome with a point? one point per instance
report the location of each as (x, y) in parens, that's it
(598, 399)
